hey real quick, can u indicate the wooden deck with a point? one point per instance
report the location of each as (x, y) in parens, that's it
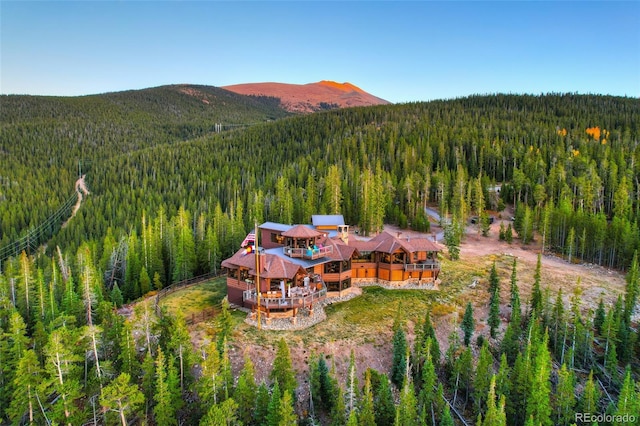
(300, 298)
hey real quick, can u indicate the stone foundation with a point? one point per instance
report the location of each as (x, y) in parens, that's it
(411, 283)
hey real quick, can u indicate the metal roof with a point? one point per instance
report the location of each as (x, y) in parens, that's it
(274, 226)
(327, 219)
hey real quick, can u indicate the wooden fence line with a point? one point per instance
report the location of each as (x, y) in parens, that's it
(183, 284)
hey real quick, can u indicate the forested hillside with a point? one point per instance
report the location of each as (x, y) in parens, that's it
(171, 197)
(46, 140)
(568, 163)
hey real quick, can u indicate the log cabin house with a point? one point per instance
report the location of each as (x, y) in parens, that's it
(300, 265)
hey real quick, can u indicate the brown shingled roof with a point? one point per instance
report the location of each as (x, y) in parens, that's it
(273, 266)
(301, 231)
(387, 243)
(277, 267)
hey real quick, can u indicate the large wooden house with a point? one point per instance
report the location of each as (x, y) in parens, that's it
(298, 265)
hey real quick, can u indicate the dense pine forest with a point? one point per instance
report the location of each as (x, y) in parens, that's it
(178, 175)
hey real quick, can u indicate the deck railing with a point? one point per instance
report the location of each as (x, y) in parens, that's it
(308, 253)
(425, 266)
(274, 300)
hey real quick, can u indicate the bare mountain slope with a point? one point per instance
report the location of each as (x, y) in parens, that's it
(312, 97)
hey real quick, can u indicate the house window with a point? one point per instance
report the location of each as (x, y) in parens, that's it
(346, 265)
(274, 285)
(385, 258)
(332, 268)
(277, 238)
(233, 273)
(244, 274)
(365, 257)
(333, 285)
(346, 283)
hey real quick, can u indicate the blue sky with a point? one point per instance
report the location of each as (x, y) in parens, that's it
(399, 51)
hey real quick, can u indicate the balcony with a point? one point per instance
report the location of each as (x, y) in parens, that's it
(308, 253)
(429, 265)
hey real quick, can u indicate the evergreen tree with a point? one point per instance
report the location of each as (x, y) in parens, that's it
(599, 317)
(122, 397)
(324, 393)
(61, 364)
(611, 363)
(627, 400)
(510, 345)
(127, 353)
(164, 411)
(224, 325)
(222, 414)
(28, 376)
(145, 282)
(148, 381)
(180, 347)
(483, 378)
(588, 402)
(446, 419)
(131, 286)
(452, 240)
(116, 296)
(468, 324)
(399, 364)
(366, 415)
(463, 374)
(273, 410)
(558, 322)
(495, 415)
(407, 410)
(184, 247)
(503, 381)
(428, 381)
(508, 234)
(287, 416)
(427, 331)
(632, 288)
(173, 384)
(282, 370)
(516, 308)
(262, 404)
(536, 292)
(338, 413)
(332, 194)
(520, 385)
(383, 406)
(564, 397)
(246, 392)
(538, 400)
(494, 313)
(226, 376)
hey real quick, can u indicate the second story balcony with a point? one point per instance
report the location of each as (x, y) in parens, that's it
(429, 265)
(309, 253)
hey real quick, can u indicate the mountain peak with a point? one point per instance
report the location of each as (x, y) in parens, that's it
(345, 87)
(311, 97)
